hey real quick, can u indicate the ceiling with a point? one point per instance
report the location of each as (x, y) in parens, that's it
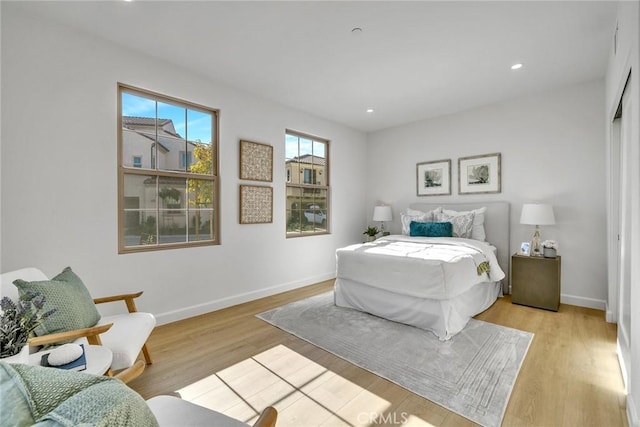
(411, 61)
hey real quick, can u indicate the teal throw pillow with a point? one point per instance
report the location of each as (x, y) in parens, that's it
(431, 229)
(66, 293)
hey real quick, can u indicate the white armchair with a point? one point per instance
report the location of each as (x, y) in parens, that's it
(126, 336)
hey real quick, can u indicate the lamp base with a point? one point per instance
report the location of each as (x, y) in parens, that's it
(536, 245)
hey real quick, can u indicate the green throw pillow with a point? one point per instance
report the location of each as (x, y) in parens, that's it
(71, 299)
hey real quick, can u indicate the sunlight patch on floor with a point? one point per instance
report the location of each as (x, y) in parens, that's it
(303, 392)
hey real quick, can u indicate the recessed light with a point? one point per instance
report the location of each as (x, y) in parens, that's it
(369, 110)
(516, 66)
(356, 31)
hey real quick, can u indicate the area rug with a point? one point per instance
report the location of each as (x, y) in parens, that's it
(472, 374)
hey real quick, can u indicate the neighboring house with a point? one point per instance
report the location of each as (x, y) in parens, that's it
(307, 170)
(165, 149)
(143, 148)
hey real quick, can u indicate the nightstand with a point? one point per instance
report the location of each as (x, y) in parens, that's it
(535, 281)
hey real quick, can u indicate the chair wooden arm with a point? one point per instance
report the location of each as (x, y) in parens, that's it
(92, 334)
(131, 372)
(131, 307)
(267, 418)
(127, 298)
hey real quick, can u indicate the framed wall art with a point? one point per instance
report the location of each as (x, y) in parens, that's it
(479, 174)
(256, 204)
(433, 178)
(256, 161)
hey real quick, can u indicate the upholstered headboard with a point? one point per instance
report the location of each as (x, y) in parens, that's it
(496, 225)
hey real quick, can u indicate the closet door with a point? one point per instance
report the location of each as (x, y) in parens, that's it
(624, 248)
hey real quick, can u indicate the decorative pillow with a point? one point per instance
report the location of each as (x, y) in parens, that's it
(462, 224)
(478, 232)
(406, 220)
(71, 299)
(431, 229)
(418, 216)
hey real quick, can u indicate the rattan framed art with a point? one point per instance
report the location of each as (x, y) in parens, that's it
(256, 204)
(256, 161)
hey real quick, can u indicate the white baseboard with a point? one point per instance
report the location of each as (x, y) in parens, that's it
(609, 314)
(598, 304)
(207, 307)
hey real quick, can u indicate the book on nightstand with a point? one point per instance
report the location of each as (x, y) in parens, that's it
(80, 364)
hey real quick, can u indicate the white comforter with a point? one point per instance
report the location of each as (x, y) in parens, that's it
(423, 267)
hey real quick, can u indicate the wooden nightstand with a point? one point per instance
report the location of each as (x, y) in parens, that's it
(535, 281)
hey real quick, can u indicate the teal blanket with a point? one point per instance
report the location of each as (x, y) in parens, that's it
(34, 395)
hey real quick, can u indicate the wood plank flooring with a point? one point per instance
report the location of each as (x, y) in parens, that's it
(233, 362)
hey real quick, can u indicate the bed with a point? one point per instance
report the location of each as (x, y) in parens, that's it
(436, 284)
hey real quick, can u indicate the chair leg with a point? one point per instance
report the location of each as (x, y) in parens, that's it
(147, 355)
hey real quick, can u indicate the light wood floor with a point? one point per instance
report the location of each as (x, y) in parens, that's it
(237, 364)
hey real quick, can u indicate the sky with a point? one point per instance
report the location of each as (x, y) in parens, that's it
(292, 142)
(196, 126)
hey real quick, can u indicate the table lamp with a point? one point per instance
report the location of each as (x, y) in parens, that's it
(537, 214)
(382, 213)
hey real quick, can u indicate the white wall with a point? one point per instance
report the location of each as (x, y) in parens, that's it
(621, 63)
(59, 193)
(552, 147)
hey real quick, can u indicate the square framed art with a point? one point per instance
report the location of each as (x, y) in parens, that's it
(256, 204)
(256, 161)
(433, 178)
(479, 174)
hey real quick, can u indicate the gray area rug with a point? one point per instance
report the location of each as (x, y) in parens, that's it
(472, 374)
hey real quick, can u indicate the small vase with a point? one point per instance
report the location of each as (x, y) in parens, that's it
(371, 238)
(22, 357)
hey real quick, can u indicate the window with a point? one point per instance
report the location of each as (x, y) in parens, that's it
(307, 166)
(169, 200)
(185, 159)
(310, 176)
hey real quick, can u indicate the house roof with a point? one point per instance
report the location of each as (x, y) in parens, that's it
(135, 123)
(308, 159)
(146, 127)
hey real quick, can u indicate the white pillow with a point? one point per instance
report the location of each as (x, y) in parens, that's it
(406, 219)
(478, 232)
(462, 224)
(418, 216)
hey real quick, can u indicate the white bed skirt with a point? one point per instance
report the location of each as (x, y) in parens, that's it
(444, 318)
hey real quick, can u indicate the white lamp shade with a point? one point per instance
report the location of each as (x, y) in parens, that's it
(382, 213)
(537, 214)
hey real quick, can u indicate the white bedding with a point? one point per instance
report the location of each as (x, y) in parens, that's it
(436, 268)
(443, 317)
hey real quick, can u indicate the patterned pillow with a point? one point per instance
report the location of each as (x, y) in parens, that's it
(478, 222)
(462, 224)
(431, 229)
(406, 221)
(418, 216)
(71, 299)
